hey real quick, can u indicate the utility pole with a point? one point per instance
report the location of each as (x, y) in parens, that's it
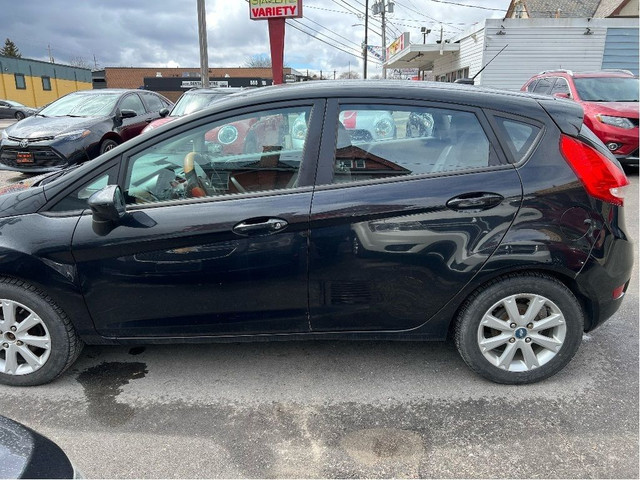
(202, 36)
(366, 32)
(384, 39)
(381, 7)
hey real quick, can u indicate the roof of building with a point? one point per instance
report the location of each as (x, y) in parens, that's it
(556, 8)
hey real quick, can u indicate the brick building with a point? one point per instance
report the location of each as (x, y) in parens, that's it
(134, 77)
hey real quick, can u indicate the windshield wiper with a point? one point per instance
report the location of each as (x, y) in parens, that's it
(40, 115)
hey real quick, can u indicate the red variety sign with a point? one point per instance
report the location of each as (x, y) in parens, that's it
(265, 9)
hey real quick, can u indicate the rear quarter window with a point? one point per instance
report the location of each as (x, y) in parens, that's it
(518, 136)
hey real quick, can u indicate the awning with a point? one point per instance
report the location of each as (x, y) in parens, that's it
(420, 56)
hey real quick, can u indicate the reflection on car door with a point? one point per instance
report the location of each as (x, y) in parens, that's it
(398, 227)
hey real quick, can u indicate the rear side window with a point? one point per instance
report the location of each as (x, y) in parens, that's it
(381, 141)
(543, 86)
(518, 136)
(153, 102)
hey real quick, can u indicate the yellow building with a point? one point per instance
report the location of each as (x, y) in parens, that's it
(35, 83)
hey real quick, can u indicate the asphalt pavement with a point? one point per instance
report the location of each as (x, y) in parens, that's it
(342, 409)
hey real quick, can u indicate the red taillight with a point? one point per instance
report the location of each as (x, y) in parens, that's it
(600, 176)
(618, 292)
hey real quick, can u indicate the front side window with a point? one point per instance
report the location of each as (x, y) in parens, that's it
(21, 84)
(243, 154)
(133, 102)
(77, 200)
(382, 141)
(561, 86)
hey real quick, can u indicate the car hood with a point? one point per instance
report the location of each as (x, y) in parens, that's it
(616, 109)
(39, 127)
(25, 453)
(20, 199)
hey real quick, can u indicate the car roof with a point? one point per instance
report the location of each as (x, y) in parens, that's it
(374, 89)
(101, 91)
(215, 90)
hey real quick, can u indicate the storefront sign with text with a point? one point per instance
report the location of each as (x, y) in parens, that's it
(265, 9)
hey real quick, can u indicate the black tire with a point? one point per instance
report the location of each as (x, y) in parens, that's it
(19, 115)
(65, 345)
(107, 145)
(517, 290)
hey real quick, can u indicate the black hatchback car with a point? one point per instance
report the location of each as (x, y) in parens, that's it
(77, 127)
(501, 225)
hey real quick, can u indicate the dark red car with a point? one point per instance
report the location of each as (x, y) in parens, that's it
(609, 100)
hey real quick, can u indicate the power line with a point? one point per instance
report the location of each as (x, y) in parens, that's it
(468, 5)
(323, 41)
(323, 34)
(427, 16)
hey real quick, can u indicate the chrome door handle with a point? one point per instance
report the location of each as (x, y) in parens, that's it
(475, 201)
(260, 226)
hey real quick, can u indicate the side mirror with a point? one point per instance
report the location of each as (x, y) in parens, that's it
(562, 95)
(128, 113)
(107, 206)
(164, 112)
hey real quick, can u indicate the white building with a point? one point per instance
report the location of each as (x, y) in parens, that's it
(529, 46)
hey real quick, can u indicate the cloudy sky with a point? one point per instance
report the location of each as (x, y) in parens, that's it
(155, 33)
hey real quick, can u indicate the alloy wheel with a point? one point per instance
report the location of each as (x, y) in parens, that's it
(521, 332)
(25, 342)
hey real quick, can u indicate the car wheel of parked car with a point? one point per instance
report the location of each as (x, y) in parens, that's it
(19, 115)
(107, 145)
(519, 329)
(37, 340)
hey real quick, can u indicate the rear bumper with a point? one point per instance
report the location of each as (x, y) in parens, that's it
(607, 270)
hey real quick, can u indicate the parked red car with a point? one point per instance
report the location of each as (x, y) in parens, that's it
(610, 102)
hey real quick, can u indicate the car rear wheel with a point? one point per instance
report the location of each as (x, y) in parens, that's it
(520, 329)
(19, 115)
(107, 145)
(37, 340)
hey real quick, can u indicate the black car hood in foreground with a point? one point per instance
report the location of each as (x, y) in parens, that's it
(42, 127)
(20, 199)
(27, 454)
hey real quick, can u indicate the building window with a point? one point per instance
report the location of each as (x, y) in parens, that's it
(46, 83)
(20, 82)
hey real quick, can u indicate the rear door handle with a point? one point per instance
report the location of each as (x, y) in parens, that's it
(475, 201)
(260, 226)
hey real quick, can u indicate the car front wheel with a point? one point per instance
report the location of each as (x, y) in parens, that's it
(19, 115)
(520, 329)
(37, 340)
(107, 145)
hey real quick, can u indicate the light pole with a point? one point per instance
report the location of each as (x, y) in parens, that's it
(366, 32)
(202, 36)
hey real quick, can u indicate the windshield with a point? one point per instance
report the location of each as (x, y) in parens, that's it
(193, 102)
(14, 104)
(607, 89)
(82, 105)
